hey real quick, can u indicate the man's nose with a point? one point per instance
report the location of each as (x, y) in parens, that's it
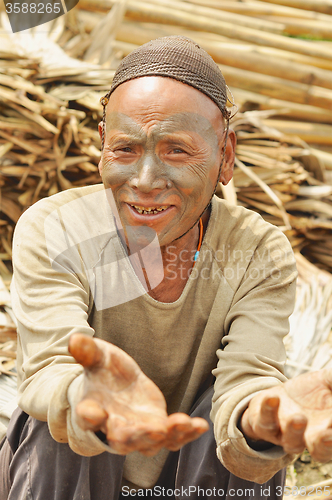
(149, 174)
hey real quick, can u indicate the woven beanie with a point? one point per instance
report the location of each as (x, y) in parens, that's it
(176, 57)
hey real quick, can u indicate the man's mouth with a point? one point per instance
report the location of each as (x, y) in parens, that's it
(149, 210)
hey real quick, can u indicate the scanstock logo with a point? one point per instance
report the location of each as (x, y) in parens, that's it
(28, 14)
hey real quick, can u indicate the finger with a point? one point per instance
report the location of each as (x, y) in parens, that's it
(85, 350)
(177, 425)
(200, 425)
(181, 422)
(152, 444)
(91, 416)
(292, 439)
(186, 438)
(268, 419)
(93, 353)
(260, 420)
(320, 446)
(183, 429)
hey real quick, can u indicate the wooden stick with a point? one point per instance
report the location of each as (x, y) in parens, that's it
(245, 57)
(292, 57)
(319, 29)
(131, 31)
(140, 33)
(253, 8)
(240, 56)
(275, 23)
(229, 17)
(142, 11)
(277, 87)
(250, 100)
(291, 26)
(311, 133)
(324, 6)
(324, 157)
(248, 171)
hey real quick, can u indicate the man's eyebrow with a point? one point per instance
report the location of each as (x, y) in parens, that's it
(185, 122)
(125, 125)
(121, 135)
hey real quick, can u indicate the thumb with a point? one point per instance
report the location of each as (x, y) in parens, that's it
(85, 350)
(90, 414)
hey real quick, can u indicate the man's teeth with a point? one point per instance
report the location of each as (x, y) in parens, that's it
(151, 210)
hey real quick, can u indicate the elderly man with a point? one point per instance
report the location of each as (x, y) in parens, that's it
(149, 322)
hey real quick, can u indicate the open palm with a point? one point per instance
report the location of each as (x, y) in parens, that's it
(294, 415)
(121, 401)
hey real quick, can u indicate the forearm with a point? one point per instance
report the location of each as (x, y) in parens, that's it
(233, 449)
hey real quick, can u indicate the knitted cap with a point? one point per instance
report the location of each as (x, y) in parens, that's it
(176, 57)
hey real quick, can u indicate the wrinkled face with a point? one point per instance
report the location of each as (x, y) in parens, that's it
(162, 152)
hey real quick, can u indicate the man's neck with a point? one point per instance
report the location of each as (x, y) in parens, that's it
(178, 262)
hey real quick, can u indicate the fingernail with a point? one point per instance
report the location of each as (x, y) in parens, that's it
(328, 441)
(272, 402)
(298, 426)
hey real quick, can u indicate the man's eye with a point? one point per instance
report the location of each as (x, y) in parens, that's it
(126, 149)
(177, 151)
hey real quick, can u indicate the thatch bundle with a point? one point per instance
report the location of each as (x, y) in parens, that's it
(51, 79)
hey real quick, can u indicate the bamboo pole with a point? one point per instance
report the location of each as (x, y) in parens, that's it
(143, 11)
(275, 23)
(250, 100)
(320, 29)
(245, 57)
(254, 8)
(140, 33)
(323, 6)
(324, 157)
(292, 57)
(277, 87)
(239, 56)
(309, 132)
(131, 31)
(229, 17)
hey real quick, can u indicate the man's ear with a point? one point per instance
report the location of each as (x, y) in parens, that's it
(228, 166)
(100, 130)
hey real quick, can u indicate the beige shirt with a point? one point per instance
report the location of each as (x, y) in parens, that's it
(71, 274)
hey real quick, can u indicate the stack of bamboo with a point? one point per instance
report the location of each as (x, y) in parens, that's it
(51, 80)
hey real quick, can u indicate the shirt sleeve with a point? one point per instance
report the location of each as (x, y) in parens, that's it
(51, 302)
(252, 355)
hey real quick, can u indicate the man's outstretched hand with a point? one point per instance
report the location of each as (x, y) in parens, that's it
(294, 415)
(125, 404)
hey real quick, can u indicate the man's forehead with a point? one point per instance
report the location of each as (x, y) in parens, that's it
(190, 122)
(163, 95)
